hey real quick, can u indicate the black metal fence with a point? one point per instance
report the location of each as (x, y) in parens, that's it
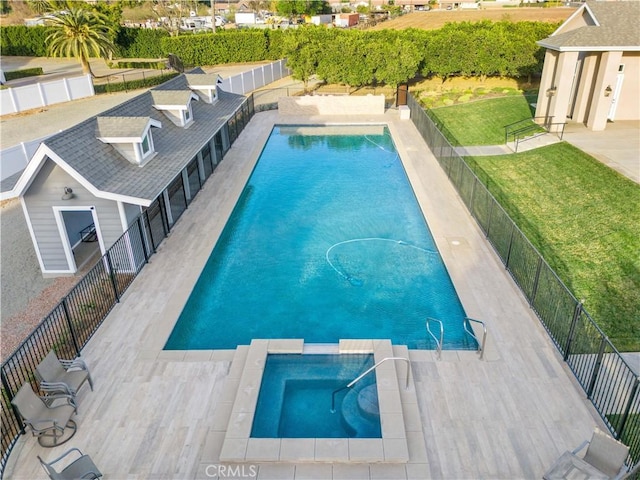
(70, 325)
(607, 379)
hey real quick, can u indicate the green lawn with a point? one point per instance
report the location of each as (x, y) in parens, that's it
(584, 218)
(482, 122)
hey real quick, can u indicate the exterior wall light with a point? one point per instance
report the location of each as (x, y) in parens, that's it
(68, 194)
(607, 91)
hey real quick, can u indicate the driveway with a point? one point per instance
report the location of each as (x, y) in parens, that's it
(618, 146)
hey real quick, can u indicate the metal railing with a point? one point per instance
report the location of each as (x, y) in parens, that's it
(470, 331)
(529, 128)
(437, 340)
(367, 372)
(609, 382)
(74, 320)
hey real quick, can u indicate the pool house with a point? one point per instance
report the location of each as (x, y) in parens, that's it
(85, 187)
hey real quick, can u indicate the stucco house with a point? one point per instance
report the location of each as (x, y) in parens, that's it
(152, 154)
(591, 71)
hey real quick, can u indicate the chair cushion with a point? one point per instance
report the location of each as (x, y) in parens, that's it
(606, 454)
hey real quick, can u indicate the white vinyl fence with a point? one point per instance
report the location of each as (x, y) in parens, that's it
(258, 77)
(37, 95)
(15, 159)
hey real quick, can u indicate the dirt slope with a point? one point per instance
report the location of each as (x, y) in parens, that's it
(437, 18)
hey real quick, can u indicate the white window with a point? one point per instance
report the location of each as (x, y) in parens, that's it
(145, 145)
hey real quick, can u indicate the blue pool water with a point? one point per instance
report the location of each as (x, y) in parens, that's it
(327, 241)
(295, 399)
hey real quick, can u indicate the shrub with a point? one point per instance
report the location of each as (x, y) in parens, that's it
(159, 65)
(25, 72)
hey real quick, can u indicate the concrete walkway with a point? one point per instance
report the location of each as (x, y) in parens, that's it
(618, 146)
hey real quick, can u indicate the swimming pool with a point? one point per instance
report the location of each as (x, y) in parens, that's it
(297, 398)
(326, 241)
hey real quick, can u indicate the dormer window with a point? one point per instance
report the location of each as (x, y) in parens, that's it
(206, 85)
(131, 136)
(175, 105)
(145, 145)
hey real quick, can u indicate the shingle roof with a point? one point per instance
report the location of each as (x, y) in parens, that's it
(206, 80)
(617, 28)
(123, 127)
(171, 97)
(108, 171)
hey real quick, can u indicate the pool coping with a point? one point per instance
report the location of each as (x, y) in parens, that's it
(245, 377)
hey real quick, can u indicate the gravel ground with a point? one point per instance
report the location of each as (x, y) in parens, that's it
(25, 297)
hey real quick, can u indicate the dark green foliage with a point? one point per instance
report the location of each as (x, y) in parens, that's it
(485, 49)
(216, 48)
(26, 72)
(140, 42)
(21, 40)
(160, 65)
(349, 57)
(134, 84)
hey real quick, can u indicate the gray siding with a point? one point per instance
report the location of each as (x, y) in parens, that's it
(131, 212)
(45, 193)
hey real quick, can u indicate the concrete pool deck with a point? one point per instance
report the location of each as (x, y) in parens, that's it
(156, 414)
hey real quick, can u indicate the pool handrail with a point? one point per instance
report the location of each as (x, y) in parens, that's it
(438, 342)
(370, 369)
(470, 332)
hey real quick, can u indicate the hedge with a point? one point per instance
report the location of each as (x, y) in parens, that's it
(159, 65)
(25, 72)
(140, 42)
(219, 48)
(134, 84)
(20, 40)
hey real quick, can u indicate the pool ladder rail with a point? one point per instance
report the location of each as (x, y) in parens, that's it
(365, 373)
(466, 323)
(438, 340)
(470, 332)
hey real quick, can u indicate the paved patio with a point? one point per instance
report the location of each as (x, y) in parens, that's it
(159, 414)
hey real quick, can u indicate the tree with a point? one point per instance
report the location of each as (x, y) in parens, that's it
(81, 34)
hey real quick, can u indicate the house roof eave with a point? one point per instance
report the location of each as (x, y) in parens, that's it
(589, 48)
(38, 160)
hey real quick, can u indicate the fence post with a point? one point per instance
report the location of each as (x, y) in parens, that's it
(534, 290)
(112, 276)
(625, 415)
(574, 320)
(596, 367)
(508, 256)
(68, 317)
(142, 240)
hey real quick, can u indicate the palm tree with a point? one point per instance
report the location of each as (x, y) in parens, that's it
(81, 34)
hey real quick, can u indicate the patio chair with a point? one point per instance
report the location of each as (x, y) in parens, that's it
(605, 459)
(49, 417)
(81, 467)
(62, 376)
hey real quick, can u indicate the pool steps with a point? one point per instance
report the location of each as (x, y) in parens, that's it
(402, 437)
